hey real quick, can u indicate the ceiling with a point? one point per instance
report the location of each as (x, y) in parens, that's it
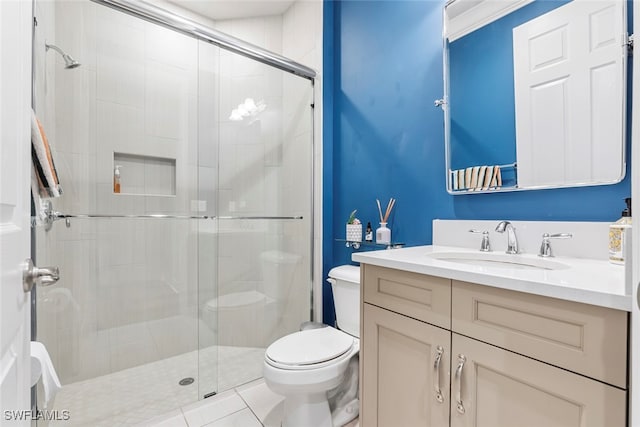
(231, 9)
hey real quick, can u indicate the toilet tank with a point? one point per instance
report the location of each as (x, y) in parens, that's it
(345, 282)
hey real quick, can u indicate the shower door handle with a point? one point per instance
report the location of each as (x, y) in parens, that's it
(32, 275)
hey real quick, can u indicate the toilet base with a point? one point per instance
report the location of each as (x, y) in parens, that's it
(301, 410)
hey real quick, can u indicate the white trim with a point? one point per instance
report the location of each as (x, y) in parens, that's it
(465, 16)
(634, 334)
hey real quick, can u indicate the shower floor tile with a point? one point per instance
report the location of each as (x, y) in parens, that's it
(132, 396)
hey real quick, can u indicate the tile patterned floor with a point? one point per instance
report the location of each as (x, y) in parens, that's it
(250, 405)
(124, 398)
(133, 395)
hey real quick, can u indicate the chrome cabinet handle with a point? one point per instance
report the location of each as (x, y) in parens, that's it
(32, 275)
(436, 374)
(459, 405)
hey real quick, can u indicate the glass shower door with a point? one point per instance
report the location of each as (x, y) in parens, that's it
(260, 185)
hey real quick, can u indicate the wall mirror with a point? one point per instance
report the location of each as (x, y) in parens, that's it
(535, 94)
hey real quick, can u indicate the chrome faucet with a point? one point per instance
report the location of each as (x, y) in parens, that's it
(485, 246)
(512, 240)
(545, 248)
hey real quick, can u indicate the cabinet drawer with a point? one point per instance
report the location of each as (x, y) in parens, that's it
(422, 297)
(582, 338)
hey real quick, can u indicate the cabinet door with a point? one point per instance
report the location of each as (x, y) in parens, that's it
(499, 388)
(403, 362)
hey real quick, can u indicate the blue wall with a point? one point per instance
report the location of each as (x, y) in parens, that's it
(384, 138)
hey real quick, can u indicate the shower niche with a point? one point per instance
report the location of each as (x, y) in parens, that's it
(145, 175)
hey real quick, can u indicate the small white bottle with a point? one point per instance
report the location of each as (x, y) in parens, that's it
(383, 234)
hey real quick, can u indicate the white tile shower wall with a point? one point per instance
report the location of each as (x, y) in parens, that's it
(132, 95)
(243, 146)
(265, 165)
(285, 131)
(302, 41)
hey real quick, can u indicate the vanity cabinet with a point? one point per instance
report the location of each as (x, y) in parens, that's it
(499, 357)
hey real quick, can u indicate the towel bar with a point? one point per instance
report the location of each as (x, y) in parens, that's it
(49, 216)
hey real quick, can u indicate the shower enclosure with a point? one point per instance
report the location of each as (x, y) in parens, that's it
(173, 284)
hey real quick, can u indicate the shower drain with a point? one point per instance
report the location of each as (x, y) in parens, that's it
(186, 381)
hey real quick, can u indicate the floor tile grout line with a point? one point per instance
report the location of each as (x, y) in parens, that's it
(248, 406)
(226, 416)
(207, 422)
(184, 417)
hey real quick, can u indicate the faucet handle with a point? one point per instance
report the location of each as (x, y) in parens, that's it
(545, 248)
(485, 246)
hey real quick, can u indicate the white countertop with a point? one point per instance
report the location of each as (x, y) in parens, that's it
(585, 280)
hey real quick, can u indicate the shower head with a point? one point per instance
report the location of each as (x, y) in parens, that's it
(69, 62)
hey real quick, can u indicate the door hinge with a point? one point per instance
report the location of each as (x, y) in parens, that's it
(629, 43)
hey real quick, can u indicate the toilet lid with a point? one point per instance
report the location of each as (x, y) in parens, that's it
(310, 347)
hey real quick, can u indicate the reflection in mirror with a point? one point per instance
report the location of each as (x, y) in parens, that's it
(535, 94)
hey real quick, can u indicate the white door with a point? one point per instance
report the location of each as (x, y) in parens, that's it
(569, 74)
(634, 386)
(15, 154)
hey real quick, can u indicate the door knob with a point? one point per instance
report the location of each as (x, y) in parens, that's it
(32, 275)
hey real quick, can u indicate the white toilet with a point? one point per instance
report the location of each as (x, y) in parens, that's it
(304, 366)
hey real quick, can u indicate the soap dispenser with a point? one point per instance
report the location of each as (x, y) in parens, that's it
(617, 233)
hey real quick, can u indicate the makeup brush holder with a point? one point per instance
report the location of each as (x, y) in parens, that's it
(383, 234)
(354, 232)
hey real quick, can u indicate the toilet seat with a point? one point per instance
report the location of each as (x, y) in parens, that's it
(235, 300)
(310, 349)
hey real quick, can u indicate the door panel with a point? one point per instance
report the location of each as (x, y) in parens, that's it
(500, 388)
(399, 380)
(15, 73)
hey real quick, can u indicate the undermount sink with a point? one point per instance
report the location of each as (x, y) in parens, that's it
(499, 260)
